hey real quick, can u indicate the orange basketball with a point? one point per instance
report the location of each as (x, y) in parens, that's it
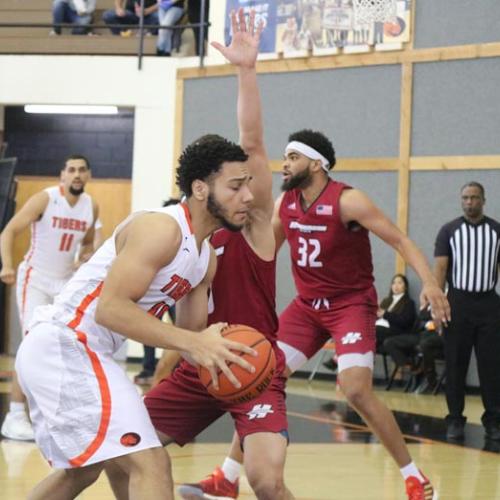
(252, 384)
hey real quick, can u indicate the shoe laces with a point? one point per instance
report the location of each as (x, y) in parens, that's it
(417, 490)
(414, 489)
(216, 478)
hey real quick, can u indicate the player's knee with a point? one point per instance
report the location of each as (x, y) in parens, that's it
(356, 392)
(153, 461)
(266, 486)
(82, 477)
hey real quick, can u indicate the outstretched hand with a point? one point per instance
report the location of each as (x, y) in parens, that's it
(440, 308)
(245, 41)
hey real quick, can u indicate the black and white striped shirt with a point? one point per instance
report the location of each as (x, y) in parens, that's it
(473, 251)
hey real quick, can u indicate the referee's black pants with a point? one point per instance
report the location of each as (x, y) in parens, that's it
(475, 323)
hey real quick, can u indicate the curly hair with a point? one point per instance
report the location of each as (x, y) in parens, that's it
(317, 141)
(203, 158)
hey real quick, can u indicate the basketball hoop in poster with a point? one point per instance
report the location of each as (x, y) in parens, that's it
(374, 11)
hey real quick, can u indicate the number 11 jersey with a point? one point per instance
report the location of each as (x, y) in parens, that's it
(56, 236)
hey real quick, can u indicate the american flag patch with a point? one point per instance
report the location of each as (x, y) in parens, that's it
(292, 206)
(324, 210)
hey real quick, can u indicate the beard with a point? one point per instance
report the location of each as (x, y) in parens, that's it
(76, 192)
(217, 211)
(301, 180)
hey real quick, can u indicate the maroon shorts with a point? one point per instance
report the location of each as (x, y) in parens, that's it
(181, 407)
(306, 325)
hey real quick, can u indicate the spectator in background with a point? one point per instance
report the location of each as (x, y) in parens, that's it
(169, 13)
(431, 346)
(194, 16)
(128, 13)
(76, 12)
(396, 314)
(467, 257)
(423, 338)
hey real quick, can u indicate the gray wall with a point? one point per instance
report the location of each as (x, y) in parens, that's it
(440, 23)
(456, 108)
(357, 107)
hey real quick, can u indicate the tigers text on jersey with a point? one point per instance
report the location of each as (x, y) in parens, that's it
(56, 236)
(76, 305)
(328, 259)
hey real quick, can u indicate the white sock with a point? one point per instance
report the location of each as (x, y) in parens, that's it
(231, 469)
(15, 407)
(411, 470)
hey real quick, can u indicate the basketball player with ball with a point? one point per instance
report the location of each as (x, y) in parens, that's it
(243, 291)
(86, 413)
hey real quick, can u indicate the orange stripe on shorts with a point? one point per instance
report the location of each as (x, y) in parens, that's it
(105, 403)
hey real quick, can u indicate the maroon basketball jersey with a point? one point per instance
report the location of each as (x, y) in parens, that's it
(328, 259)
(244, 287)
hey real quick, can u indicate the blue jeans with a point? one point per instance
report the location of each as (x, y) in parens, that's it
(129, 19)
(63, 13)
(167, 17)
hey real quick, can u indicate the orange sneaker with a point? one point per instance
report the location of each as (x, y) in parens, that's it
(214, 487)
(416, 490)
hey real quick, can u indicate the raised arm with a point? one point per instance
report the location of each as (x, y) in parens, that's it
(242, 52)
(279, 233)
(356, 206)
(31, 211)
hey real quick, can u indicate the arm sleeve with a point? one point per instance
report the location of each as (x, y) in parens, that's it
(442, 244)
(403, 319)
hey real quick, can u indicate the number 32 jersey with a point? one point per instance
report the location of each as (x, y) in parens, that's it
(328, 258)
(56, 236)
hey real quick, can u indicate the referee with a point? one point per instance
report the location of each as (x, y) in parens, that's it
(467, 258)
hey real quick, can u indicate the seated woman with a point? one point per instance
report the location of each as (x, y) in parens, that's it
(396, 314)
(431, 345)
(424, 339)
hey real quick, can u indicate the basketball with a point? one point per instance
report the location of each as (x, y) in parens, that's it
(252, 384)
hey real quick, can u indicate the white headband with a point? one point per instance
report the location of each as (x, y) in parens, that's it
(309, 152)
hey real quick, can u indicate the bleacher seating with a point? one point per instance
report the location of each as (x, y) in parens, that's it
(37, 40)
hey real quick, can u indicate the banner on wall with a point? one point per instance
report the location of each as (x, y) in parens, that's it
(295, 25)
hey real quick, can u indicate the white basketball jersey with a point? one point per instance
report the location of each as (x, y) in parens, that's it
(76, 305)
(56, 236)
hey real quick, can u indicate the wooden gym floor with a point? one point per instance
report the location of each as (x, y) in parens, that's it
(332, 455)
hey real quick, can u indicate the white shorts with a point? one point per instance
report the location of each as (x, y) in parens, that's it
(83, 407)
(34, 289)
